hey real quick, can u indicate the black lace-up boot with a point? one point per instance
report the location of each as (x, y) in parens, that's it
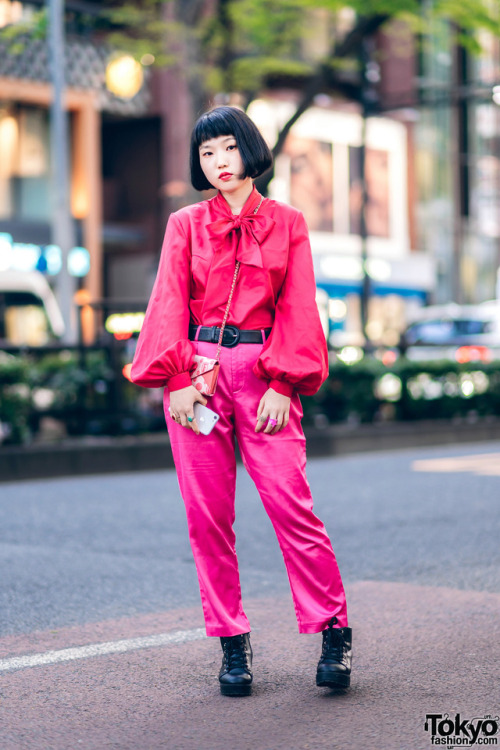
(235, 676)
(334, 667)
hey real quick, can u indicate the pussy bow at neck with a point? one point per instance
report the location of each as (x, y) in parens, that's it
(234, 237)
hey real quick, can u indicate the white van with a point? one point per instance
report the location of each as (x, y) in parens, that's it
(29, 312)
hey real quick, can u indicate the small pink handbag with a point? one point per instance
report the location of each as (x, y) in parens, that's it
(205, 374)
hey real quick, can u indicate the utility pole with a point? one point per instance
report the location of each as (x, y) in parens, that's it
(63, 229)
(363, 231)
(370, 76)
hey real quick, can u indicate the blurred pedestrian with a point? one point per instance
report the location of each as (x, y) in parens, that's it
(247, 258)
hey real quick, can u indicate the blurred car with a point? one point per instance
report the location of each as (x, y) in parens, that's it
(29, 312)
(464, 333)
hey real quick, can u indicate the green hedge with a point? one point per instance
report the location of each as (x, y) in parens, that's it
(407, 390)
(92, 395)
(57, 384)
(15, 399)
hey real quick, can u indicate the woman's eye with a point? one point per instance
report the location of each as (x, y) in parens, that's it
(232, 146)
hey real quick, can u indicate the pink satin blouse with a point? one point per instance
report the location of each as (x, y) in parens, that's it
(275, 287)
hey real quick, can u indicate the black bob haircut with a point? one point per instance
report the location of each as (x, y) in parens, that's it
(254, 152)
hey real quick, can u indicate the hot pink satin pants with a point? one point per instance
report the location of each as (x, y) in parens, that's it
(206, 470)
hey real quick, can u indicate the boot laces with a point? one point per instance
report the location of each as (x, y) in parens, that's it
(333, 644)
(234, 653)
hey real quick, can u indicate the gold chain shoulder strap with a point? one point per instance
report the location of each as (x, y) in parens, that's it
(233, 285)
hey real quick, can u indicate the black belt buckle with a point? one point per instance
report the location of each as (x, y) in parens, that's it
(232, 338)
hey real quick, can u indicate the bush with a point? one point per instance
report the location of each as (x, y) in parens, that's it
(15, 399)
(55, 384)
(90, 395)
(369, 391)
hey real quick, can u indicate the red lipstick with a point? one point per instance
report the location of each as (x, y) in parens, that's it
(225, 175)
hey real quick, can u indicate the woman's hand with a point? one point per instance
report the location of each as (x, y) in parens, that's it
(181, 406)
(273, 405)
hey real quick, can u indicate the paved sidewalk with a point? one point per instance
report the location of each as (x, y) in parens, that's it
(417, 650)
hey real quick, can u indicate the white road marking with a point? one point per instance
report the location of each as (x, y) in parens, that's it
(484, 464)
(100, 649)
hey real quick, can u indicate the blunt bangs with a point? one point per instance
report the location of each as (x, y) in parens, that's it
(254, 151)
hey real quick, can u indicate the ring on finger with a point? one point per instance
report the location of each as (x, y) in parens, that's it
(262, 419)
(273, 421)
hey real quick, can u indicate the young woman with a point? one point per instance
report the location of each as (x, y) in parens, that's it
(273, 349)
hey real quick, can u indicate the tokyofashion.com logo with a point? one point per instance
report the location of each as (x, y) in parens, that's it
(453, 731)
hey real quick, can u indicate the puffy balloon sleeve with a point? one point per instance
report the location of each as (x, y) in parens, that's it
(164, 354)
(295, 356)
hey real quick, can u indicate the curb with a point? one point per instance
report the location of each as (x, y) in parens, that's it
(82, 456)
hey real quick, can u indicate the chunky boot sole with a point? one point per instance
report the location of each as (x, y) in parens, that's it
(228, 689)
(333, 680)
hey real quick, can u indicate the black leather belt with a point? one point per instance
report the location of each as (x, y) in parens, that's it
(231, 336)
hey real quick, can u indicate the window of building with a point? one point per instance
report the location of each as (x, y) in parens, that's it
(482, 254)
(24, 162)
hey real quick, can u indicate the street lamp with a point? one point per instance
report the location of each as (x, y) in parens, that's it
(124, 75)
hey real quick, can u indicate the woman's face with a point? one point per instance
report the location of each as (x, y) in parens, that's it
(222, 164)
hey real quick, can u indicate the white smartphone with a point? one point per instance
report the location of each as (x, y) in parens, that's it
(206, 419)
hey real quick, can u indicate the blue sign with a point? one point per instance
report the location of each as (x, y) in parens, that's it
(47, 259)
(78, 261)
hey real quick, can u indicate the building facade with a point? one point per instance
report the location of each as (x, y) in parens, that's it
(457, 143)
(124, 162)
(432, 172)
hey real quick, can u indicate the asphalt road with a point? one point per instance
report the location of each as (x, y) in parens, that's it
(102, 559)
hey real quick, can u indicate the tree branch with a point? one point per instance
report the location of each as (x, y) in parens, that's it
(321, 79)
